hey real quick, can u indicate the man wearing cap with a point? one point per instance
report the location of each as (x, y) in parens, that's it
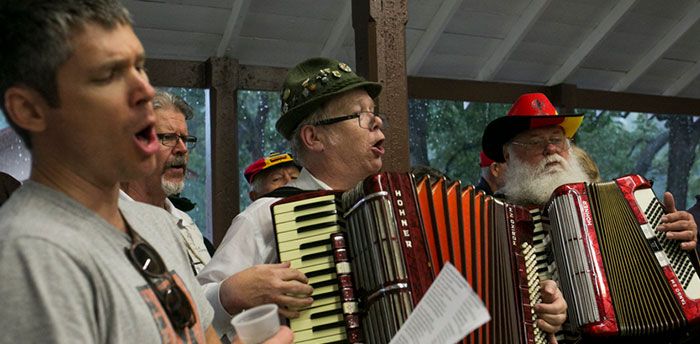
(534, 141)
(329, 118)
(491, 175)
(270, 173)
(169, 176)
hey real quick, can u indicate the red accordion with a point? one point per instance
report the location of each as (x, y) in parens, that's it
(618, 274)
(397, 237)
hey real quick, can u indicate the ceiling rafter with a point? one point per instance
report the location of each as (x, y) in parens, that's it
(516, 34)
(593, 39)
(239, 10)
(340, 29)
(431, 35)
(684, 81)
(666, 42)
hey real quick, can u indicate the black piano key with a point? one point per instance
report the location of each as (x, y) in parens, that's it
(328, 326)
(316, 243)
(314, 205)
(324, 283)
(309, 228)
(315, 215)
(326, 295)
(316, 255)
(326, 313)
(321, 272)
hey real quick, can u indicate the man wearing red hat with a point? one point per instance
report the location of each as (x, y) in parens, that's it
(329, 118)
(491, 175)
(270, 173)
(534, 141)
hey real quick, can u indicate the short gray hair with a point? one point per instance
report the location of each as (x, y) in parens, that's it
(37, 35)
(164, 99)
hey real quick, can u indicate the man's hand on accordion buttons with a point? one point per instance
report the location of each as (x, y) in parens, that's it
(552, 310)
(267, 283)
(678, 225)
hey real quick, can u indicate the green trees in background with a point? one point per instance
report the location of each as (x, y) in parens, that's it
(446, 135)
(257, 114)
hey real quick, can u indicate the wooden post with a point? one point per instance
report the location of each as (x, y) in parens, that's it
(380, 43)
(222, 80)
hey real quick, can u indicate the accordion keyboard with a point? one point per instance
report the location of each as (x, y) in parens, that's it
(303, 237)
(679, 260)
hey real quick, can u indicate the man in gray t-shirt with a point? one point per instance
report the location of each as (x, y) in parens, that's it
(76, 265)
(66, 276)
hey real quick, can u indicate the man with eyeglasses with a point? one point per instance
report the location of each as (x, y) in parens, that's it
(172, 112)
(534, 141)
(330, 120)
(77, 264)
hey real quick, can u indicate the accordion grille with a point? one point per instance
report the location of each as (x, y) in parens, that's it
(642, 299)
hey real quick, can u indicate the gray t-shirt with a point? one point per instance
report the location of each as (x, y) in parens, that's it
(65, 276)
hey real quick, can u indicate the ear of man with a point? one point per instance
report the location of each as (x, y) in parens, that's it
(496, 169)
(312, 138)
(26, 108)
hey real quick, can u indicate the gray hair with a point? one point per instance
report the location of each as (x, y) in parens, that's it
(37, 35)
(164, 99)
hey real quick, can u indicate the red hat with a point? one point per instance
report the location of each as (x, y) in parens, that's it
(272, 160)
(484, 161)
(530, 111)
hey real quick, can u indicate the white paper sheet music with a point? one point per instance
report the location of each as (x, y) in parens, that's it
(448, 311)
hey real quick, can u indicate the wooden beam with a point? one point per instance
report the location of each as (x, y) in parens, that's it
(380, 43)
(432, 33)
(670, 38)
(469, 90)
(510, 42)
(340, 29)
(175, 73)
(260, 78)
(222, 79)
(592, 41)
(229, 39)
(621, 101)
(566, 95)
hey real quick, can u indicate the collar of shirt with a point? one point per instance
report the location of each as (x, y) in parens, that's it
(306, 181)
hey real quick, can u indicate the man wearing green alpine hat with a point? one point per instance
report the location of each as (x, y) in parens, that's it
(329, 118)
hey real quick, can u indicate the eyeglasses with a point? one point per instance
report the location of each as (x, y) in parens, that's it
(366, 119)
(561, 142)
(173, 299)
(170, 140)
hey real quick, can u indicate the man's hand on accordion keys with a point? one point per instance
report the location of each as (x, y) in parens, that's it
(552, 310)
(678, 225)
(267, 283)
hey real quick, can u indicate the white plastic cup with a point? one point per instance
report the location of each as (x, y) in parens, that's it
(257, 324)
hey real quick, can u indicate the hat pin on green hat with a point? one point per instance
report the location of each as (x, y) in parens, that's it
(312, 83)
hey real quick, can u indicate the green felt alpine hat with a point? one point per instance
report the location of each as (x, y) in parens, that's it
(313, 82)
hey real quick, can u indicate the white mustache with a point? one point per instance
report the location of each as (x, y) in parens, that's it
(178, 160)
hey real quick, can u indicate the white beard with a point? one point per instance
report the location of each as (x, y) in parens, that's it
(533, 185)
(171, 188)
